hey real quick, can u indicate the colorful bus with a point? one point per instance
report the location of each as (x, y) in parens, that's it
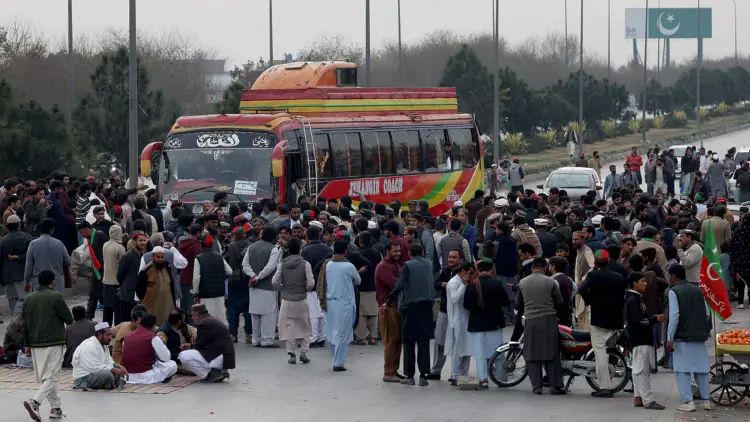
(310, 123)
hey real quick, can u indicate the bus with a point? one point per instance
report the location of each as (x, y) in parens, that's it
(309, 124)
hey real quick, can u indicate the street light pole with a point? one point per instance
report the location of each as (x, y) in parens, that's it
(132, 103)
(496, 85)
(270, 33)
(609, 40)
(736, 55)
(699, 64)
(367, 43)
(71, 69)
(580, 86)
(567, 62)
(645, 77)
(400, 55)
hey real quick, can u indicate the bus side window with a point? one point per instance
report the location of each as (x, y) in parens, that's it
(340, 154)
(323, 154)
(386, 152)
(406, 151)
(355, 154)
(433, 145)
(371, 151)
(464, 152)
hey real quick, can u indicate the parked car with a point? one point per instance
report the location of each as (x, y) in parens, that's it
(742, 155)
(576, 181)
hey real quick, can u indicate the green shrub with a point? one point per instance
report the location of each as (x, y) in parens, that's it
(516, 143)
(609, 128)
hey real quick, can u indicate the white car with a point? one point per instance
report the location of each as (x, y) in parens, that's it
(742, 154)
(576, 181)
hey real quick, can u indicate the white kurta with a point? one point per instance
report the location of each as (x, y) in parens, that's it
(162, 369)
(90, 357)
(457, 342)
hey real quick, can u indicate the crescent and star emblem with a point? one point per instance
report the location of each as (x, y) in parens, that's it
(667, 32)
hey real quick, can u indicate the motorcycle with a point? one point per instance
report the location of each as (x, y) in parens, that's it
(508, 369)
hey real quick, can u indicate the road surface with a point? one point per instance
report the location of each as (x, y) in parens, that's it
(265, 388)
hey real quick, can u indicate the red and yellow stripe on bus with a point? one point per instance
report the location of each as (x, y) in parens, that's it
(440, 190)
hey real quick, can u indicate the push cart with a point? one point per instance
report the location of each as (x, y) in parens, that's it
(730, 381)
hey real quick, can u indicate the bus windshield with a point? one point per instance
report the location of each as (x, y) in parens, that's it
(196, 166)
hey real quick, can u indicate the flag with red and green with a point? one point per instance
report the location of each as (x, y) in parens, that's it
(712, 278)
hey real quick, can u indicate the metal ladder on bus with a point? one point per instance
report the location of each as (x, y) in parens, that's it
(311, 158)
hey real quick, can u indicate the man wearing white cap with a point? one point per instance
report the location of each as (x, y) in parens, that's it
(93, 367)
(155, 286)
(13, 247)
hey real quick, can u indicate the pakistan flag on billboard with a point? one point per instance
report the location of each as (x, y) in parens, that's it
(668, 23)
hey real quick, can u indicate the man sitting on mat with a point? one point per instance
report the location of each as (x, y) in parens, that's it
(93, 368)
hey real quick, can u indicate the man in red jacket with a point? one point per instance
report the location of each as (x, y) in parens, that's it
(386, 275)
(189, 247)
(635, 161)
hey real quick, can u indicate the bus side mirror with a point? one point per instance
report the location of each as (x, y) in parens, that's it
(278, 164)
(148, 154)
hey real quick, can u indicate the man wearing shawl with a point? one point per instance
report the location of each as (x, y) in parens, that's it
(94, 241)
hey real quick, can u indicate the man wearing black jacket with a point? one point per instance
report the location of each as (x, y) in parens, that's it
(604, 292)
(639, 329)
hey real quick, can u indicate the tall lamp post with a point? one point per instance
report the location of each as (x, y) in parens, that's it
(567, 62)
(609, 40)
(736, 55)
(699, 65)
(496, 83)
(367, 43)
(270, 33)
(400, 54)
(580, 86)
(132, 103)
(71, 68)
(645, 77)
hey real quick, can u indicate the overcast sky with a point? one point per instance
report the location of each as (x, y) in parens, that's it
(238, 29)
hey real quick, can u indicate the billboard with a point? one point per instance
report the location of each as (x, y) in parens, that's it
(668, 23)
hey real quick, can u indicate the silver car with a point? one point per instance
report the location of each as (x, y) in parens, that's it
(576, 181)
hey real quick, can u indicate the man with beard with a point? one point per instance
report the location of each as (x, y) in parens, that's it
(238, 292)
(93, 367)
(155, 286)
(453, 263)
(127, 273)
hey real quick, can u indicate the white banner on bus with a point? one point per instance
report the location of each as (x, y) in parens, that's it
(245, 187)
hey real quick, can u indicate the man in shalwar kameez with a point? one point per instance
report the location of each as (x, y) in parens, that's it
(688, 329)
(336, 290)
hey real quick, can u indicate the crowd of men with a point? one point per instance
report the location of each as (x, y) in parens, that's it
(172, 285)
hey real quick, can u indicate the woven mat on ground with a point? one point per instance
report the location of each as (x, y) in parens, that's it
(13, 378)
